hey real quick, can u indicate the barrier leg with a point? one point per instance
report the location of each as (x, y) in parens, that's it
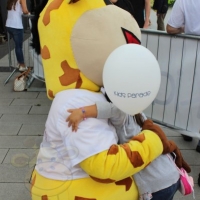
(9, 60)
(6, 81)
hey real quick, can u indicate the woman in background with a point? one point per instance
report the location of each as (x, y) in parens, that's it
(15, 28)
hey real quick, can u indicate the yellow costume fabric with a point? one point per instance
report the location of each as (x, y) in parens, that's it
(110, 171)
(76, 38)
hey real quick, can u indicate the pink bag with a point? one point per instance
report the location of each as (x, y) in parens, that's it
(187, 183)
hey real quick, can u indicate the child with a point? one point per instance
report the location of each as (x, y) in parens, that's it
(160, 180)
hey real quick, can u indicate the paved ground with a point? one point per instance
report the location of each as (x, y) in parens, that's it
(22, 119)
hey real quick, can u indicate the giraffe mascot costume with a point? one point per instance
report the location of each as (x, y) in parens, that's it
(76, 37)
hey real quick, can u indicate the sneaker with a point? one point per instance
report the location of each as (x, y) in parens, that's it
(22, 68)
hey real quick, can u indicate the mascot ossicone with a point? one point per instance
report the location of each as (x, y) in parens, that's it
(76, 37)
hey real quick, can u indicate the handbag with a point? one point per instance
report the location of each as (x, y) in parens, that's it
(21, 80)
(186, 181)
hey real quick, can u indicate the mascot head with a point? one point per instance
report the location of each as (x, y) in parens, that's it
(76, 37)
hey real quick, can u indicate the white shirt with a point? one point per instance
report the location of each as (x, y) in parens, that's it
(186, 13)
(14, 18)
(62, 150)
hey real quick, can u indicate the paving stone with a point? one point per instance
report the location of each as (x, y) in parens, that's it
(192, 157)
(43, 95)
(29, 129)
(21, 157)
(31, 101)
(14, 174)
(20, 142)
(7, 128)
(171, 132)
(14, 109)
(37, 83)
(195, 170)
(182, 144)
(39, 110)
(24, 119)
(5, 101)
(14, 191)
(3, 153)
(18, 95)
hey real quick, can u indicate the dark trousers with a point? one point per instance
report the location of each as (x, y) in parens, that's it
(17, 35)
(160, 22)
(167, 193)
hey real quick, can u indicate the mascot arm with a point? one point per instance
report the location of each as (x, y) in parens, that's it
(122, 161)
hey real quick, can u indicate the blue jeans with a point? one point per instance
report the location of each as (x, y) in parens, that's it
(17, 35)
(167, 193)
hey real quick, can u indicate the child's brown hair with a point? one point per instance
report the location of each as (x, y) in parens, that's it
(138, 117)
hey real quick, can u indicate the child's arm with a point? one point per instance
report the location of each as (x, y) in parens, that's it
(100, 110)
(78, 115)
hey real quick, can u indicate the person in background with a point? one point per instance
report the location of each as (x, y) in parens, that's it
(14, 27)
(140, 9)
(161, 7)
(184, 18)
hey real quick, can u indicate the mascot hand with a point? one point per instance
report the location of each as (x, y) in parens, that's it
(168, 147)
(180, 162)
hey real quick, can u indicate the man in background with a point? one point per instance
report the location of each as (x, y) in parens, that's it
(184, 18)
(161, 7)
(140, 9)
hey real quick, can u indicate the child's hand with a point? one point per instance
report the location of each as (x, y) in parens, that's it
(74, 118)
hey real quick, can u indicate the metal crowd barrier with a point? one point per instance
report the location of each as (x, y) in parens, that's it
(177, 104)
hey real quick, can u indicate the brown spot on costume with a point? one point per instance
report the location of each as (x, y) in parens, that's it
(134, 156)
(82, 198)
(127, 182)
(52, 6)
(45, 197)
(102, 180)
(50, 93)
(45, 53)
(140, 138)
(113, 150)
(70, 75)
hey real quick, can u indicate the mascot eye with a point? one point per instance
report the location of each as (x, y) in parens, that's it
(130, 37)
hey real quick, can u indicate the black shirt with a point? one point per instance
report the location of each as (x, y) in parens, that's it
(135, 7)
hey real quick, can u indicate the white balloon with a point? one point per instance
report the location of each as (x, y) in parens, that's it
(131, 78)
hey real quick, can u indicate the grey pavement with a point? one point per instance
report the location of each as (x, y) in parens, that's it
(22, 121)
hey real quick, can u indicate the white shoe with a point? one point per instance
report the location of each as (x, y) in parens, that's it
(22, 68)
